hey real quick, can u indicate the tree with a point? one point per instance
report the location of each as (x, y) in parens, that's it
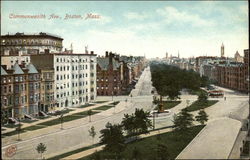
(128, 124)
(203, 97)
(183, 120)
(112, 137)
(41, 148)
(92, 133)
(90, 112)
(141, 122)
(136, 123)
(202, 117)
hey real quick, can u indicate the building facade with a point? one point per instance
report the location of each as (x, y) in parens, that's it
(74, 77)
(47, 102)
(20, 91)
(109, 75)
(13, 44)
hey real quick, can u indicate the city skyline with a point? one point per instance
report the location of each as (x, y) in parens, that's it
(137, 28)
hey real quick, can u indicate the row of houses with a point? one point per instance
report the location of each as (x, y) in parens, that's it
(36, 81)
(60, 80)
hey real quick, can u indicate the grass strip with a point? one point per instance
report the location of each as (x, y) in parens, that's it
(169, 104)
(105, 107)
(197, 105)
(100, 102)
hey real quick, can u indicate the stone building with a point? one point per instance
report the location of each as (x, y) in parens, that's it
(47, 102)
(13, 44)
(74, 77)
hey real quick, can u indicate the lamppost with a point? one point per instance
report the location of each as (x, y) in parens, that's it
(126, 103)
(61, 118)
(153, 120)
(112, 95)
(18, 129)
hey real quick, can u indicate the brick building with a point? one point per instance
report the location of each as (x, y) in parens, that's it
(109, 75)
(20, 91)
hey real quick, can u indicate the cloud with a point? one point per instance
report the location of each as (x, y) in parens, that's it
(135, 16)
(173, 16)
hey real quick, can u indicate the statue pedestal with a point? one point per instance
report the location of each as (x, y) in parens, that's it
(160, 109)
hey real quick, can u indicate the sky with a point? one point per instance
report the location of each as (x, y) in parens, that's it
(192, 28)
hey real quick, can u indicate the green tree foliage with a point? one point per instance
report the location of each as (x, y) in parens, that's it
(202, 117)
(136, 123)
(169, 80)
(112, 137)
(41, 148)
(183, 120)
(203, 97)
(92, 133)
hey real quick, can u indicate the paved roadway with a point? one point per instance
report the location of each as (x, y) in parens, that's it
(75, 134)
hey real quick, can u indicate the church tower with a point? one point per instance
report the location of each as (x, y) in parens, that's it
(166, 55)
(222, 50)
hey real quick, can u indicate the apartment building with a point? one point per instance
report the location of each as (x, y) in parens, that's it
(28, 44)
(74, 77)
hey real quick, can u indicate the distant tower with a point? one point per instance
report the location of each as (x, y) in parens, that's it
(86, 49)
(166, 55)
(71, 48)
(222, 50)
(178, 54)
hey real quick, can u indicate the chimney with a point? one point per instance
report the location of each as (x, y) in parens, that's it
(106, 54)
(91, 52)
(110, 58)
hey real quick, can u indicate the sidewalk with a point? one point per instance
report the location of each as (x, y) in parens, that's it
(215, 141)
(93, 150)
(76, 110)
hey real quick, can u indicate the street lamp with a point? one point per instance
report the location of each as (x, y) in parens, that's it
(112, 95)
(61, 118)
(18, 129)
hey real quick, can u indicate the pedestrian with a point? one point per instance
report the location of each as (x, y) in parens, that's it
(225, 98)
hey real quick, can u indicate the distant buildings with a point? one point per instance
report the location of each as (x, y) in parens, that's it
(28, 44)
(226, 72)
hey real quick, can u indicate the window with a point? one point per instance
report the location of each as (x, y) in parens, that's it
(5, 89)
(57, 68)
